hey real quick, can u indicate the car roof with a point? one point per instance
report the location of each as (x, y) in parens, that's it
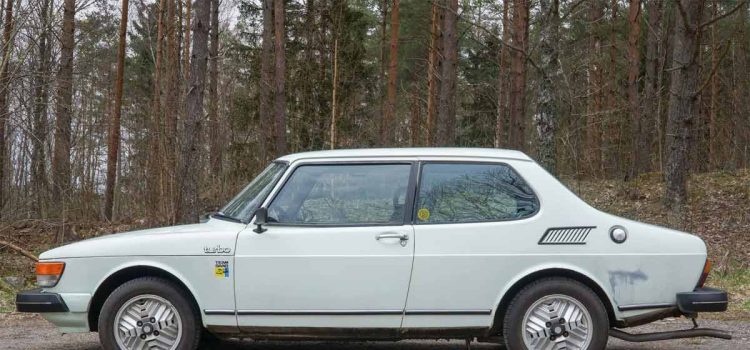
(409, 152)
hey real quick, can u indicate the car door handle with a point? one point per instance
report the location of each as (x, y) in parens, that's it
(401, 236)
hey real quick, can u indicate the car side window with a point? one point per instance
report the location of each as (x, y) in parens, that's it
(343, 194)
(472, 192)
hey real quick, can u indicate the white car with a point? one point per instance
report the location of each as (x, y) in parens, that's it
(384, 244)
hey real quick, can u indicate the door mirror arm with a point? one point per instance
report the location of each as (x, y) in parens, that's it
(261, 218)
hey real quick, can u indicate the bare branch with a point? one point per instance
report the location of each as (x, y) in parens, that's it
(714, 69)
(23, 252)
(683, 14)
(724, 15)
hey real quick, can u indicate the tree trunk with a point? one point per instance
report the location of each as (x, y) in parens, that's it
(502, 82)
(446, 128)
(383, 55)
(517, 129)
(390, 105)
(547, 114)
(593, 149)
(682, 101)
(324, 49)
(414, 124)
(41, 101)
(612, 120)
(7, 45)
(189, 207)
(171, 106)
(334, 92)
(213, 94)
(155, 178)
(64, 102)
(279, 77)
(265, 89)
(433, 70)
(650, 92)
(713, 156)
(113, 150)
(309, 112)
(639, 148)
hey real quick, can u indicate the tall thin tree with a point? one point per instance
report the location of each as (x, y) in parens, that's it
(213, 94)
(265, 90)
(651, 94)
(64, 107)
(433, 70)
(520, 35)
(113, 149)
(155, 180)
(446, 128)
(594, 121)
(7, 46)
(189, 207)
(683, 110)
(502, 80)
(390, 104)
(639, 148)
(41, 101)
(171, 104)
(279, 76)
(547, 115)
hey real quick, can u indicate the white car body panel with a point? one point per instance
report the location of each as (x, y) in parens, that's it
(446, 276)
(334, 269)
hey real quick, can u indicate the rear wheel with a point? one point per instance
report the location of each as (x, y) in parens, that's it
(149, 313)
(556, 313)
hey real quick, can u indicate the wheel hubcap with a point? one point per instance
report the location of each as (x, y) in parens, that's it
(148, 322)
(557, 322)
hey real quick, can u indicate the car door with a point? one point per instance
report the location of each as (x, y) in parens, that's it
(468, 219)
(337, 252)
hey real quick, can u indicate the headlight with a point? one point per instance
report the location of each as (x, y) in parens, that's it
(49, 273)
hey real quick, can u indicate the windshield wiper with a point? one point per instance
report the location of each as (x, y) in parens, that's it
(222, 216)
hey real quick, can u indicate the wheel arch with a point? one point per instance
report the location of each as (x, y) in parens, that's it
(125, 274)
(520, 283)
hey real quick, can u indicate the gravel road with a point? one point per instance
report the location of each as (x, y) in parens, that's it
(31, 332)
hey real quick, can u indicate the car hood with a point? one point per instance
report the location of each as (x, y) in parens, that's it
(213, 237)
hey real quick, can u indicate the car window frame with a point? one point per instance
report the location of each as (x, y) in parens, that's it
(418, 188)
(409, 199)
(248, 219)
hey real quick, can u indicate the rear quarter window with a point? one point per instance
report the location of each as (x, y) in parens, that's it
(472, 192)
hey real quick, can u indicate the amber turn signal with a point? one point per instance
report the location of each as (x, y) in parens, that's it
(49, 273)
(704, 275)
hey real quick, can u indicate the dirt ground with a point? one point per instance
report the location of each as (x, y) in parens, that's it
(31, 332)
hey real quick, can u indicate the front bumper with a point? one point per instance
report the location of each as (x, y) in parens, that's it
(702, 300)
(36, 300)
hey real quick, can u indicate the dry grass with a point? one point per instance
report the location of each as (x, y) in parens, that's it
(718, 212)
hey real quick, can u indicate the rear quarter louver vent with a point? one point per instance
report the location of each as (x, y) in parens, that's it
(566, 235)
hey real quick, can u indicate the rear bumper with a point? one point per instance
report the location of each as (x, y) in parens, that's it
(36, 300)
(702, 300)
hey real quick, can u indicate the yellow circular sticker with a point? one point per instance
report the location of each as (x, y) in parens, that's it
(423, 214)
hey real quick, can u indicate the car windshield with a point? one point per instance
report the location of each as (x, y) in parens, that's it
(249, 199)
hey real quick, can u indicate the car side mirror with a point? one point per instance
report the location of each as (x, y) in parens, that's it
(261, 218)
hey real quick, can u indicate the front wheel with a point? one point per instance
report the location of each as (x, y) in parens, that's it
(556, 313)
(148, 313)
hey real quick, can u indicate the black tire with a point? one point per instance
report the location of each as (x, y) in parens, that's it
(513, 327)
(191, 324)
